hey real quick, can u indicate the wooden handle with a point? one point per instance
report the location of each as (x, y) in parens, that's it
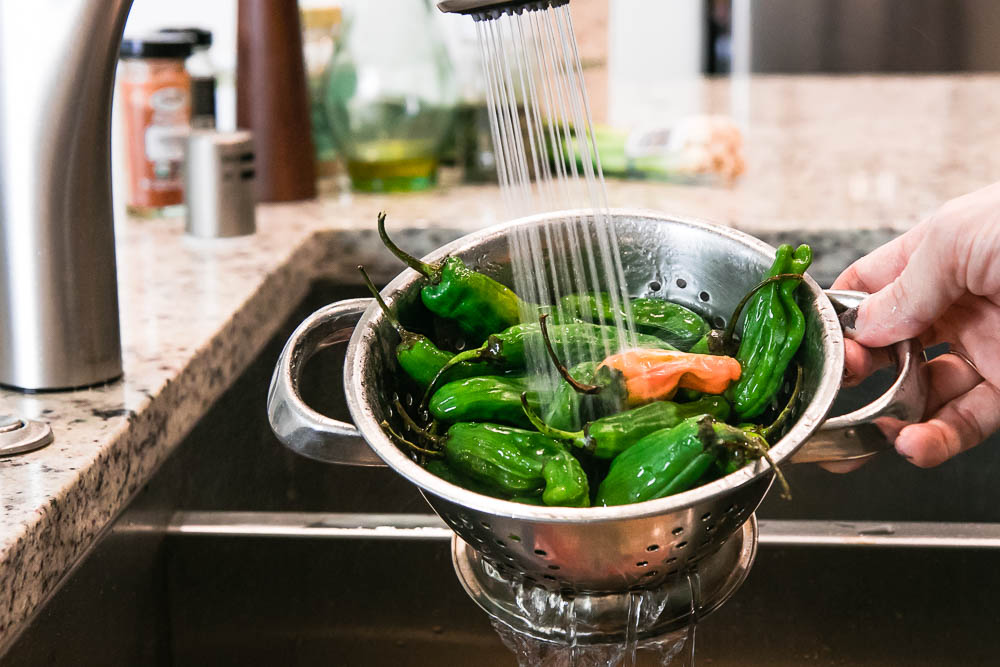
(272, 99)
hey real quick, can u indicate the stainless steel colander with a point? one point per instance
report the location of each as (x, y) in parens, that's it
(702, 265)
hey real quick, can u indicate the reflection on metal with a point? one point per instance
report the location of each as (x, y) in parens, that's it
(605, 618)
(310, 524)
(894, 534)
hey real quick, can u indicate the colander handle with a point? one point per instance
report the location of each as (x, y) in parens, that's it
(299, 427)
(855, 436)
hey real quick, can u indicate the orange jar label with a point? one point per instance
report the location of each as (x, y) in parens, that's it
(156, 102)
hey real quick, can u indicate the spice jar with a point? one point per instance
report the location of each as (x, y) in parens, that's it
(156, 105)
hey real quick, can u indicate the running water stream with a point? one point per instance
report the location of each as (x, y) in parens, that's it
(547, 161)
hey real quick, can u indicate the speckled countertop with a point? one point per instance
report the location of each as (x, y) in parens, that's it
(844, 163)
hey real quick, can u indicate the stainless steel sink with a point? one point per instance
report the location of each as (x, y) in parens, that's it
(231, 556)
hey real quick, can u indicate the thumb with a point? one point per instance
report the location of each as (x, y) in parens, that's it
(911, 303)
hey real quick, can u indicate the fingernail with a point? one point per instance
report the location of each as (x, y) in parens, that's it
(848, 320)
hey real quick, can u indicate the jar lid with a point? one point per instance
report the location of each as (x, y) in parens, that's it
(156, 46)
(198, 36)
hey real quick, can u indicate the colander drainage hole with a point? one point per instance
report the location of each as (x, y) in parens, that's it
(704, 296)
(672, 572)
(541, 552)
(485, 525)
(681, 283)
(654, 285)
(500, 543)
(706, 516)
(672, 559)
(651, 573)
(709, 528)
(642, 563)
(653, 547)
(730, 509)
(549, 577)
(719, 322)
(681, 544)
(677, 531)
(514, 538)
(553, 567)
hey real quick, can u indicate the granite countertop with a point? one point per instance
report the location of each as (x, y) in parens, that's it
(844, 163)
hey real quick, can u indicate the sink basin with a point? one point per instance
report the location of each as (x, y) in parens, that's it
(304, 588)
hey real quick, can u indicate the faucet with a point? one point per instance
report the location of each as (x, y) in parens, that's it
(58, 286)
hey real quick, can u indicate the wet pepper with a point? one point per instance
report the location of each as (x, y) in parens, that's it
(441, 468)
(486, 399)
(517, 463)
(509, 348)
(671, 322)
(772, 332)
(607, 437)
(569, 409)
(669, 461)
(479, 305)
(418, 356)
(652, 375)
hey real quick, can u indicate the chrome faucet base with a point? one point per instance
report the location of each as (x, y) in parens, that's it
(58, 282)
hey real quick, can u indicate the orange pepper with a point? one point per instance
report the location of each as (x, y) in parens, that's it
(653, 375)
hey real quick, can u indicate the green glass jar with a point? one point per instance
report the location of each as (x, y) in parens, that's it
(390, 95)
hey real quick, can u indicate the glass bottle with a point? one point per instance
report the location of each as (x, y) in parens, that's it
(390, 94)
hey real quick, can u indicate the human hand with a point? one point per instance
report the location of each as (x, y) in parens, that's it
(939, 282)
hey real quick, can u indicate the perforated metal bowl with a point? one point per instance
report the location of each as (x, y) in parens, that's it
(706, 266)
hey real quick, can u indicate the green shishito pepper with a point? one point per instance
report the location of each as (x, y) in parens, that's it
(517, 463)
(441, 468)
(418, 356)
(607, 437)
(479, 305)
(670, 460)
(772, 332)
(569, 409)
(483, 399)
(672, 322)
(509, 348)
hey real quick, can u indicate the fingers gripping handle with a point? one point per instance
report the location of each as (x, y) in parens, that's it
(299, 427)
(854, 435)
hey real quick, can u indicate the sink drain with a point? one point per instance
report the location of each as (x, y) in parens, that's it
(605, 618)
(18, 436)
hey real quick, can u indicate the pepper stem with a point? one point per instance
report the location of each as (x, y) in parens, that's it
(786, 412)
(579, 387)
(428, 270)
(751, 445)
(398, 438)
(730, 330)
(413, 426)
(545, 429)
(786, 490)
(482, 352)
(762, 450)
(381, 302)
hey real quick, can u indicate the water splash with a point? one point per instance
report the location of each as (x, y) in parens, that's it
(573, 631)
